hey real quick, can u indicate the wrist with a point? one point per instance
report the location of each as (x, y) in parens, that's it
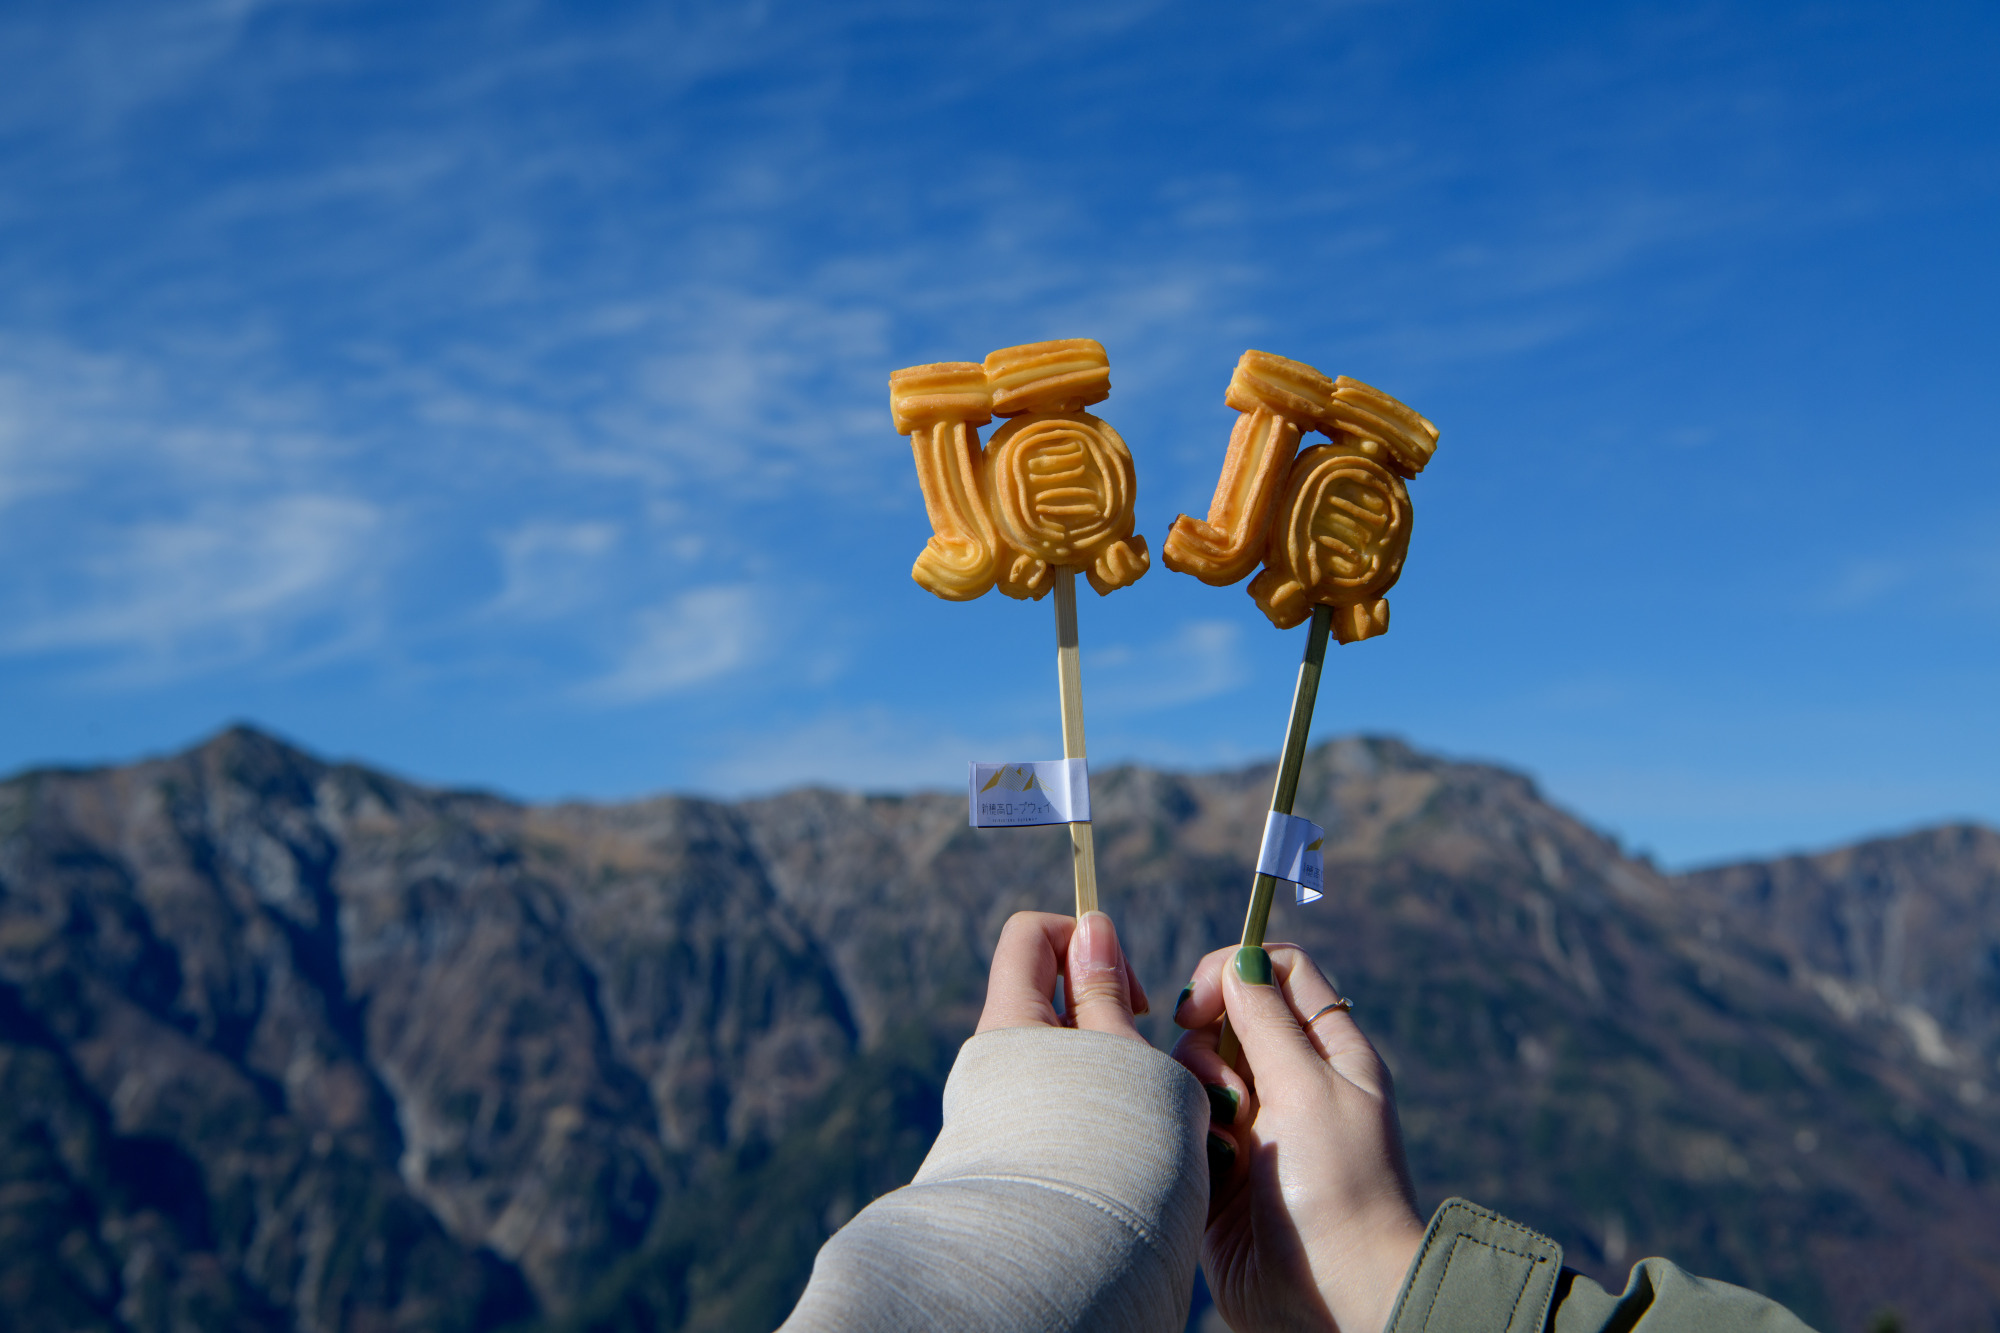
(1360, 1283)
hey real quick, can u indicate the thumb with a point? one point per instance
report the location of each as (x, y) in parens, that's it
(1275, 1045)
(1100, 991)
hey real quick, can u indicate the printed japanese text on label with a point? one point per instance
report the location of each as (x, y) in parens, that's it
(1022, 793)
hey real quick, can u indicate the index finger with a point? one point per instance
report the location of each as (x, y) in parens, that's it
(1021, 985)
(1203, 1002)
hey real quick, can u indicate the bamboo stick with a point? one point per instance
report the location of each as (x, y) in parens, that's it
(1298, 730)
(1069, 675)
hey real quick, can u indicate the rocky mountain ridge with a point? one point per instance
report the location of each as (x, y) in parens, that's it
(293, 1044)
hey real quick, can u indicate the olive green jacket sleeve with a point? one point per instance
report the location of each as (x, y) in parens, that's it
(1476, 1272)
(1066, 1191)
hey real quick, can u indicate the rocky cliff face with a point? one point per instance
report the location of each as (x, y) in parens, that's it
(1900, 932)
(290, 1044)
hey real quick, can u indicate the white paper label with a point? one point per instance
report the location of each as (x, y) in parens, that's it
(1291, 851)
(1033, 791)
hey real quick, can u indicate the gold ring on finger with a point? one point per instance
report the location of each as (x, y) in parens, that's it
(1327, 1009)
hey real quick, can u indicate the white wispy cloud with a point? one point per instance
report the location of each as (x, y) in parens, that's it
(695, 638)
(163, 528)
(84, 67)
(211, 587)
(107, 421)
(552, 568)
(1864, 583)
(1199, 660)
(1953, 569)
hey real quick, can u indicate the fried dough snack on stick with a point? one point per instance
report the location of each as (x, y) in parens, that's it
(1051, 494)
(1332, 526)
(1053, 490)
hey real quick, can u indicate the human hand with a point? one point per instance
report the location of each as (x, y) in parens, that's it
(1312, 1222)
(1036, 948)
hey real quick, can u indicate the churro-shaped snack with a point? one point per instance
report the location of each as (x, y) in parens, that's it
(1333, 524)
(1059, 481)
(1339, 536)
(1066, 375)
(940, 407)
(1370, 414)
(1054, 487)
(1280, 400)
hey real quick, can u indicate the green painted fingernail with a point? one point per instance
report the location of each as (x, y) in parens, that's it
(1221, 1157)
(1253, 965)
(1222, 1103)
(1186, 991)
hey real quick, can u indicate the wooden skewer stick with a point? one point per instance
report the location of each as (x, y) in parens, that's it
(1297, 732)
(1069, 672)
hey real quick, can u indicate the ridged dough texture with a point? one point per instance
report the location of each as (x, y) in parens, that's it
(1331, 524)
(1053, 488)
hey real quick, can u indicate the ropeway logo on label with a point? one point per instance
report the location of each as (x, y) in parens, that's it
(1292, 850)
(1022, 793)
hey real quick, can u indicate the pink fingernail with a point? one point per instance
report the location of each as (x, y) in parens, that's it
(1096, 946)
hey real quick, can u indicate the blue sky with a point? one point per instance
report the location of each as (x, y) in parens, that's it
(495, 391)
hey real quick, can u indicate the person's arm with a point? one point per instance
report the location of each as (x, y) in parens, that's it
(1316, 1225)
(1068, 1185)
(1477, 1272)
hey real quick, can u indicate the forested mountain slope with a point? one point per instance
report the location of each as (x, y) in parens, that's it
(294, 1044)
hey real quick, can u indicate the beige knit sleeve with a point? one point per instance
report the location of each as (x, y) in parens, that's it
(1068, 1189)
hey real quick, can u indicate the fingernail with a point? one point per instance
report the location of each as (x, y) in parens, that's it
(1096, 942)
(1186, 991)
(1253, 965)
(1221, 1157)
(1222, 1103)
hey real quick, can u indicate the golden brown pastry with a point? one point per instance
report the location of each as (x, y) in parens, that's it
(1053, 488)
(1332, 525)
(1339, 536)
(1358, 410)
(940, 407)
(1066, 375)
(1059, 486)
(1280, 400)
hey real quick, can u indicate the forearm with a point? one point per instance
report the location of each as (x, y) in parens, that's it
(1067, 1189)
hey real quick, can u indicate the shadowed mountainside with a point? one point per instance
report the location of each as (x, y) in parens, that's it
(292, 1044)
